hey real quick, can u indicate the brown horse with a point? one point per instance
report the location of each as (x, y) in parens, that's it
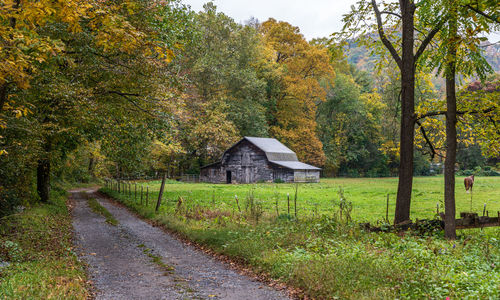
(469, 182)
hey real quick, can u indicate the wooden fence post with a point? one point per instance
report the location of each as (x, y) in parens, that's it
(295, 199)
(147, 195)
(135, 192)
(277, 208)
(387, 210)
(237, 203)
(160, 195)
(288, 200)
(141, 193)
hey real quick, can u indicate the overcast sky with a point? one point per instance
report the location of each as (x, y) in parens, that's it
(315, 18)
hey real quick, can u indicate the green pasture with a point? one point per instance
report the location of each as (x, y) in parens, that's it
(368, 196)
(327, 257)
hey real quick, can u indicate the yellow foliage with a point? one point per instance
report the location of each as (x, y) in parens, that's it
(300, 66)
(24, 46)
(390, 148)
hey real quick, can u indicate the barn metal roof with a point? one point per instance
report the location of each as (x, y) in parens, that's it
(295, 165)
(275, 151)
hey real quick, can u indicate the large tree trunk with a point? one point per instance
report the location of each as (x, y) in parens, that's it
(3, 95)
(43, 174)
(91, 166)
(403, 198)
(451, 132)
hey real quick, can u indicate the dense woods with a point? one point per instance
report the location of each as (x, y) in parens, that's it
(92, 89)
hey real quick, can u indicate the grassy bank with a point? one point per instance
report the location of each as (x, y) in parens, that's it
(36, 254)
(329, 258)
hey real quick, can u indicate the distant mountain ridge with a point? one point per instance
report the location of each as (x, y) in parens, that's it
(492, 54)
(361, 57)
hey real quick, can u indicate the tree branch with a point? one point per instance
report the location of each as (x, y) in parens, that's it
(127, 97)
(121, 93)
(114, 62)
(391, 13)
(383, 37)
(428, 39)
(482, 13)
(427, 141)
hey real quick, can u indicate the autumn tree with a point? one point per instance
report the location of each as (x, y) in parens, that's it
(98, 59)
(223, 97)
(295, 68)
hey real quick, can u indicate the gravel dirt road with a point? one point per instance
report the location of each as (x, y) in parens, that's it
(135, 260)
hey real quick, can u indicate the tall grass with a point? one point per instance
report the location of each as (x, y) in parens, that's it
(36, 252)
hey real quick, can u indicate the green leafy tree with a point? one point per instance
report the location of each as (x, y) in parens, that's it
(458, 52)
(399, 25)
(349, 126)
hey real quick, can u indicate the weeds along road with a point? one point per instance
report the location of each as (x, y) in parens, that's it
(134, 260)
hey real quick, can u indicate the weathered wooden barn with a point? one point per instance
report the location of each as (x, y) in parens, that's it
(254, 159)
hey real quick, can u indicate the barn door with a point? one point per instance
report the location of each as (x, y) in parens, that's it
(248, 178)
(228, 176)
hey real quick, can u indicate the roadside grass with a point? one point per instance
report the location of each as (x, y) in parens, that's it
(368, 196)
(326, 256)
(99, 209)
(36, 252)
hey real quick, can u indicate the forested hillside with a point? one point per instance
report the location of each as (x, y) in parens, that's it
(364, 59)
(492, 54)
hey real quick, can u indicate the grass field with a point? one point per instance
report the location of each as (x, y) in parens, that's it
(368, 196)
(325, 256)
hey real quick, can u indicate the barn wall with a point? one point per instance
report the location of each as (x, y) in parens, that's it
(286, 175)
(214, 174)
(306, 175)
(247, 163)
